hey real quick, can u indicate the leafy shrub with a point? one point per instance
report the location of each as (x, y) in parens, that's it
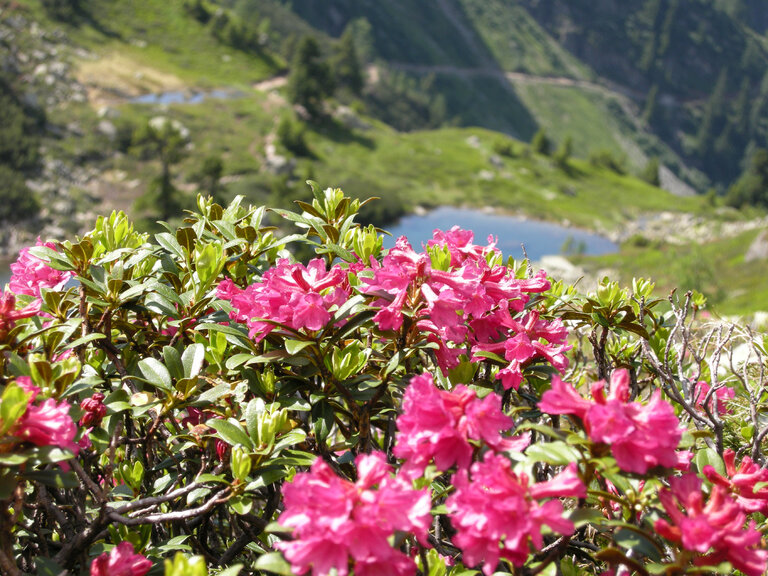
(18, 201)
(504, 147)
(607, 159)
(540, 143)
(292, 135)
(201, 392)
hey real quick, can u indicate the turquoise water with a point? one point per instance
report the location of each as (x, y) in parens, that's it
(540, 238)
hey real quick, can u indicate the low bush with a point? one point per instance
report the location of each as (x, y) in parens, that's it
(199, 402)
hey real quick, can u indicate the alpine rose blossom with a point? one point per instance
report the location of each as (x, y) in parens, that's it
(641, 436)
(94, 410)
(496, 513)
(465, 306)
(335, 520)
(295, 295)
(30, 274)
(438, 425)
(720, 397)
(714, 529)
(742, 482)
(48, 424)
(120, 561)
(9, 314)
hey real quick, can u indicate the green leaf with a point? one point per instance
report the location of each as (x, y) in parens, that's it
(156, 374)
(54, 478)
(192, 359)
(241, 504)
(8, 459)
(296, 346)
(13, 404)
(558, 453)
(708, 457)
(293, 437)
(265, 476)
(173, 362)
(631, 538)
(231, 571)
(234, 362)
(213, 394)
(253, 410)
(170, 243)
(489, 356)
(231, 432)
(275, 563)
(322, 420)
(85, 340)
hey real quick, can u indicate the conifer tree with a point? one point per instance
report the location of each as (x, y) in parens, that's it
(714, 116)
(346, 64)
(310, 80)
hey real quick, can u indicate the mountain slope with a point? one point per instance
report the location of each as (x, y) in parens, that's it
(661, 59)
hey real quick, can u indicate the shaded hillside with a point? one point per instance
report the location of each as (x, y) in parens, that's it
(665, 60)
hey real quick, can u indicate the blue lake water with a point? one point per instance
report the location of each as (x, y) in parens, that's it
(540, 238)
(186, 97)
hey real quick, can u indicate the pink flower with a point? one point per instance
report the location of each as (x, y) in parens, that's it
(48, 425)
(496, 514)
(714, 529)
(335, 520)
(723, 394)
(742, 482)
(562, 398)
(94, 410)
(25, 383)
(438, 425)
(120, 561)
(31, 274)
(297, 296)
(641, 436)
(9, 314)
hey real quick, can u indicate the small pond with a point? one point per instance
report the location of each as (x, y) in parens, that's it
(186, 96)
(540, 238)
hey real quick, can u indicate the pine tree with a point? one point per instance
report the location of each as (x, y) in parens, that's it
(751, 189)
(310, 80)
(741, 111)
(540, 143)
(346, 65)
(166, 140)
(651, 171)
(713, 117)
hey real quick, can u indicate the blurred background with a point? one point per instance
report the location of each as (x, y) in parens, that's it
(637, 129)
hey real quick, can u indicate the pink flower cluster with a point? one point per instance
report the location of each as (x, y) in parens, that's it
(718, 398)
(94, 410)
(714, 529)
(743, 482)
(293, 295)
(438, 425)
(496, 513)
(468, 308)
(47, 424)
(336, 521)
(641, 436)
(9, 314)
(30, 274)
(120, 561)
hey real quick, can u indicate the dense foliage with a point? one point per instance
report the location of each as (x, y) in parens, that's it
(203, 398)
